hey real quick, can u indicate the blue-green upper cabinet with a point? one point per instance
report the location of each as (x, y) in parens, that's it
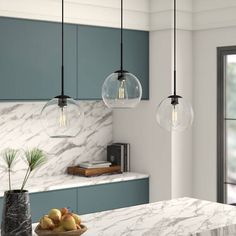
(30, 59)
(99, 56)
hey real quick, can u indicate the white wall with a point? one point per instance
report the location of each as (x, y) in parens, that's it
(205, 106)
(167, 158)
(182, 165)
(150, 145)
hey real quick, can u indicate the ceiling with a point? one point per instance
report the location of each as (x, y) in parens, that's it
(139, 14)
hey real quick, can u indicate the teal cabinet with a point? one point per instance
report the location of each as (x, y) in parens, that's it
(30, 59)
(89, 199)
(136, 53)
(1, 207)
(99, 56)
(41, 203)
(111, 196)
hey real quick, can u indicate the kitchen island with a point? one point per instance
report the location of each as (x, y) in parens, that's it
(178, 217)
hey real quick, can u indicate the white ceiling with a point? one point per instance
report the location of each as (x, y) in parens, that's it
(139, 14)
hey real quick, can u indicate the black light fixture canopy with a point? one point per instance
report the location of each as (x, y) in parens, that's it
(174, 113)
(121, 89)
(62, 116)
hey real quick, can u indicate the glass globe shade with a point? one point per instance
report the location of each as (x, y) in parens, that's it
(62, 121)
(121, 90)
(174, 117)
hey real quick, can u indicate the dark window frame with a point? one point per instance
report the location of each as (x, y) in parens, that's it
(221, 53)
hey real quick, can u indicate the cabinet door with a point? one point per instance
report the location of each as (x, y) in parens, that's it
(42, 203)
(30, 59)
(111, 196)
(99, 56)
(136, 57)
(1, 207)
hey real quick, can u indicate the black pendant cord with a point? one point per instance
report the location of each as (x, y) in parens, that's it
(121, 38)
(174, 47)
(62, 51)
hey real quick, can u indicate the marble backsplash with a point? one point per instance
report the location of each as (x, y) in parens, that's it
(21, 128)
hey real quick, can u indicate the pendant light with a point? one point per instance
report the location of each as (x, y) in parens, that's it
(62, 117)
(174, 113)
(121, 89)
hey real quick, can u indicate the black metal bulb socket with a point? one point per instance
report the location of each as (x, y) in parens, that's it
(62, 100)
(174, 99)
(121, 74)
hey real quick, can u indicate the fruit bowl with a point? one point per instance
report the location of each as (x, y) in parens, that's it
(42, 232)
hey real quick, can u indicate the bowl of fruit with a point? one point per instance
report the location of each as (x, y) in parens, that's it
(60, 222)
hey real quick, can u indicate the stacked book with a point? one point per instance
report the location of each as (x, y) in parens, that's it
(95, 164)
(119, 154)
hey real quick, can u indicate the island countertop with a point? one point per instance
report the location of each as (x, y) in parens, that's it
(178, 217)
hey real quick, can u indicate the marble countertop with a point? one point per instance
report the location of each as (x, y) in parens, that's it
(49, 183)
(178, 217)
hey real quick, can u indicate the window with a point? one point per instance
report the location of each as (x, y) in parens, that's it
(226, 124)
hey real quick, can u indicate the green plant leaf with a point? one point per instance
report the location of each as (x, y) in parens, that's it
(9, 156)
(35, 158)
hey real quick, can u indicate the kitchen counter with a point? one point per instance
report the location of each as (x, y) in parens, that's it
(178, 217)
(69, 181)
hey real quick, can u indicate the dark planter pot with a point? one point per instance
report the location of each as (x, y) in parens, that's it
(16, 215)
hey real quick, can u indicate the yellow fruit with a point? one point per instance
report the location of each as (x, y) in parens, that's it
(47, 223)
(68, 222)
(59, 229)
(77, 218)
(55, 215)
(64, 211)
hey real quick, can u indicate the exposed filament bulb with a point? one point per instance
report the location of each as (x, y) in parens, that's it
(62, 118)
(121, 92)
(174, 116)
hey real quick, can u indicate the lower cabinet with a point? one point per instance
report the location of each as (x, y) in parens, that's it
(42, 202)
(1, 207)
(90, 199)
(111, 196)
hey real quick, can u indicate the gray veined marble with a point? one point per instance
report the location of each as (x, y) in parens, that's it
(69, 181)
(178, 217)
(21, 128)
(16, 214)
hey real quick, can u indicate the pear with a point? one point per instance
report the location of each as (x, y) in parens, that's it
(55, 215)
(68, 222)
(77, 218)
(64, 211)
(59, 229)
(47, 223)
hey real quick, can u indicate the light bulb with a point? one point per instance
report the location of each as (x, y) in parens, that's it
(62, 117)
(122, 93)
(121, 90)
(174, 116)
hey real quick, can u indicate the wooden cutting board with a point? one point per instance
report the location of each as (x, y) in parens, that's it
(77, 170)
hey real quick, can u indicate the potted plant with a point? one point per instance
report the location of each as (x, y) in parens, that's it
(16, 215)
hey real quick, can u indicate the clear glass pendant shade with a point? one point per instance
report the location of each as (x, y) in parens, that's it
(62, 120)
(174, 116)
(121, 90)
